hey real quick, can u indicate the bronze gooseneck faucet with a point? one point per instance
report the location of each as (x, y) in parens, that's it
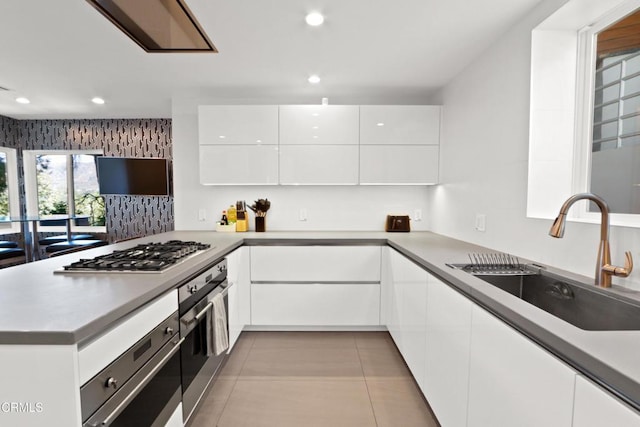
(604, 269)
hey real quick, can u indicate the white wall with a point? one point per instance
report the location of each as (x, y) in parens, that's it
(328, 207)
(484, 151)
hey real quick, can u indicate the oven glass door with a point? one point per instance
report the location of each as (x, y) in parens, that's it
(198, 368)
(149, 397)
(157, 401)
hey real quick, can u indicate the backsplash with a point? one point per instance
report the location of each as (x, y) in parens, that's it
(127, 216)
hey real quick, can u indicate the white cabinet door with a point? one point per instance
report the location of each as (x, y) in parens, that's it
(308, 304)
(319, 164)
(410, 302)
(238, 124)
(593, 407)
(448, 334)
(512, 381)
(399, 164)
(319, 124)
(239, 293)
(400, 124)
(338, 264)
(238, 164)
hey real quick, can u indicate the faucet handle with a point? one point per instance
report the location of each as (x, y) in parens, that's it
(620, 271)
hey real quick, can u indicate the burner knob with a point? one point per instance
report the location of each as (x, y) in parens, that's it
(169, 330)
(111, 382)
(221, 268)
(193, 289)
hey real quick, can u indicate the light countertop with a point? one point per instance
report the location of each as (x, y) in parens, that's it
(40, 307)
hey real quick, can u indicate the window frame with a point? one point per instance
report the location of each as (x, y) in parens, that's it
(561, 107)
(31, 187)
(13, 185)
(585, 104)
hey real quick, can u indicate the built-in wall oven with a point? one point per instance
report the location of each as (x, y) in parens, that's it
(139, 388)
(200, 304)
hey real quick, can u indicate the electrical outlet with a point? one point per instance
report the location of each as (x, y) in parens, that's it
(202, 215)
(481, 222)
(302, 214)
(417, 215)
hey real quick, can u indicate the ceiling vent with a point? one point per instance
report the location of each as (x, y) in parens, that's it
(157, 25)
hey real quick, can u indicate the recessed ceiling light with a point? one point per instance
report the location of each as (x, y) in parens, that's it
(380, 124)
(97, 100)
(222, 137)
(22, 100)
(314, 19)
(314, 79)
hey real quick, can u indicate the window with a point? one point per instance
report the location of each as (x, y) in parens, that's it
(9, 196)
(615, 150)
(64, 182)
(4, 185)
(562, 114)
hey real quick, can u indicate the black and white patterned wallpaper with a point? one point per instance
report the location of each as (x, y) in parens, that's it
(127, 216)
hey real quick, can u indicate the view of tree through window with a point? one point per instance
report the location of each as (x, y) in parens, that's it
(69, 184)
(4, 187)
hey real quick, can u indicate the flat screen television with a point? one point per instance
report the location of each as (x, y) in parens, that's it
(134, 176)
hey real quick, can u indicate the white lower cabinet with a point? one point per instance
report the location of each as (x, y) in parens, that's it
(239, 293)
(512, 381)
(593, 407)
(408, 312)
(448, 342)
(315, 304)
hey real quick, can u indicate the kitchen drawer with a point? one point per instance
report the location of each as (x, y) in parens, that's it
(315, 264)
(101, 351)
(304, 304)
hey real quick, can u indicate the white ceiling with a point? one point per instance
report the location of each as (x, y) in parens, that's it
(61, 53)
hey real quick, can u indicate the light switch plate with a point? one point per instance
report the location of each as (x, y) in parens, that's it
(202, 214)
(417, 215)
(302, 215)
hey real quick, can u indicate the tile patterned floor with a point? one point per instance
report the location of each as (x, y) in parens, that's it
(314, 379)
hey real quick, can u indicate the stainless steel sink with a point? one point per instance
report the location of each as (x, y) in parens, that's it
(582, 305)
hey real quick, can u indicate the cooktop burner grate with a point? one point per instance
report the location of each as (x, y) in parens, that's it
(148, 257)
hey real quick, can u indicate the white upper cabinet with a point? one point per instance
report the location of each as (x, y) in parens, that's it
(319, 124)
(393, 164)
(319, 164)
(399, 144)
(400, 124)
(239, 164)
(238, 144)
(238, 124)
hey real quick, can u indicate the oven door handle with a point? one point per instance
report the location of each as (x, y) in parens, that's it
(109, 418)
(202, 312)
(197, 317)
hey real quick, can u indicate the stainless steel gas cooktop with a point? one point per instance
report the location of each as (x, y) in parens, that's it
(143, 258)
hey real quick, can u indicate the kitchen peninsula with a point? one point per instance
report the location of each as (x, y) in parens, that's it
(48, 319)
